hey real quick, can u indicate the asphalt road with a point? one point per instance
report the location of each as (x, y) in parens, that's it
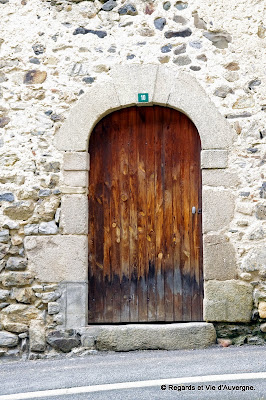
(193, 375)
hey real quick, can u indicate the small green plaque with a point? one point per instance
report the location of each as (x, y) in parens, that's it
(143, 97)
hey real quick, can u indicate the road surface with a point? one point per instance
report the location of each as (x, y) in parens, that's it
(222, 373)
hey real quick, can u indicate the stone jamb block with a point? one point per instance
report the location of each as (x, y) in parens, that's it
(76, 304)
(218, 207)
(76, 161)
(214, 159)
(58, 258)
(227, 301)
(219, 258)
(220, 177)
(74, 214)
(76, 178)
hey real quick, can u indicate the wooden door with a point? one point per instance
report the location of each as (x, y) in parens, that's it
(145, 246)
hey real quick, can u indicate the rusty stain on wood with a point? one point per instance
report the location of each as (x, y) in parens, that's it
(145, 245)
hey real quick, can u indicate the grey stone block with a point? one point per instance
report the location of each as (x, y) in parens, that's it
(7, 197)
(255, 260)
(31, 229)
(48, 228)
(50, 296)
(4, 294)
(159, 23)
(109, 5)
(8, 339)
(219, 39)
(20, 314)
(21, 210)
(76, 304)
(16, 264)
(128, 9)
(11, 225)
(13, 278)
(64, 340)
(4, 236)
(4, 248)
(53, 308)
(88, 337)
(261, 211)
(37, 336)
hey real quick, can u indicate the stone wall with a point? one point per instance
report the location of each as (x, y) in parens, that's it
(51, 53)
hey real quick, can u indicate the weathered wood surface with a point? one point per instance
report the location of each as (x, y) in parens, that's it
(145, 246)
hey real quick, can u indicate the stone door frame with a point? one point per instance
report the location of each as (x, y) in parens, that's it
(167, 87)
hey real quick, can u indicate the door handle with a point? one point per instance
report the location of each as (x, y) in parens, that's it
(193, 210)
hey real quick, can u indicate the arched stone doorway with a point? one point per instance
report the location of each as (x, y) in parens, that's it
(225, 297)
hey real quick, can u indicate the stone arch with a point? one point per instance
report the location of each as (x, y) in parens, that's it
(165, 86)
(180, 91)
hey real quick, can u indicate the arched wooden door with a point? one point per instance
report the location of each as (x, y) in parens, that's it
(145, 246)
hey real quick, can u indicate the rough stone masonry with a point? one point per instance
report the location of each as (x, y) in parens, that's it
(51, 53)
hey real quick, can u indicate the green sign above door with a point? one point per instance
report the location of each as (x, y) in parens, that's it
(143, 97)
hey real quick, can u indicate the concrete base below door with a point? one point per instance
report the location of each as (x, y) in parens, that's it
(190, 335)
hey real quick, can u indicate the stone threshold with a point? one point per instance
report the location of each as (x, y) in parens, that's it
(173, 336)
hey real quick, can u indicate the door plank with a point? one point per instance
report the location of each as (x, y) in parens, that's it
(124, 207)
(91, 250)
(133, 216)
(177, 211)
(107, 271)
(142, 217)
(168, 222)
(186, 215)
(114, 126)
(159, 216)
(150, 232)
(99, 234)
(195, 174)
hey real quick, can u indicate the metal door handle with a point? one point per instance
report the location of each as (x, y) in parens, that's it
(193, 210)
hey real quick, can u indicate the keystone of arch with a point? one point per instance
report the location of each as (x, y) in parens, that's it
(165, 86)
